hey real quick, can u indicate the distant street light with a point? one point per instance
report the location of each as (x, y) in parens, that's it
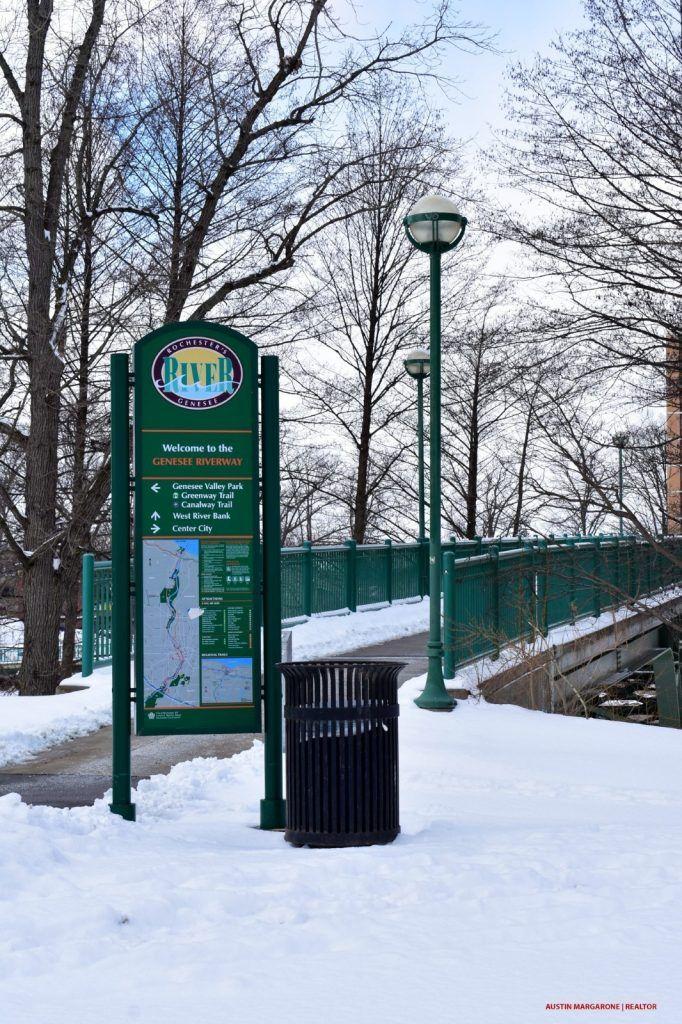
(620, 441)
(416, 364)
(435, 226)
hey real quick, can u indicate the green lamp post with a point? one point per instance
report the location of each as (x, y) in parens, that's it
(435, 226)
(620, 441)
(416, 365)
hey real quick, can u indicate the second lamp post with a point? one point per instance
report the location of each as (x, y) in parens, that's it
(435, 226)
(416, 364)
(620, 441)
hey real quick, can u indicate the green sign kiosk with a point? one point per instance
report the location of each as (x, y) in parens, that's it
(203, 582)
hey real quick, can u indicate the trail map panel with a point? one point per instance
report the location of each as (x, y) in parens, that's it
(171, 610)
(197, 556)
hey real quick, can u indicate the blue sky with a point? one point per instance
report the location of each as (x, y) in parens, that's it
(523, 27)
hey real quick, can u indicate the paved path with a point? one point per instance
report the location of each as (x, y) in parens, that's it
(76, 773)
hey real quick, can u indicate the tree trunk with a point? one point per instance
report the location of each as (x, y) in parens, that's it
(71, 609)
(360, 519)
(361, 504)
(73, 551)
(516, 526)
(174, 301)
(39, 672)
(472, 468)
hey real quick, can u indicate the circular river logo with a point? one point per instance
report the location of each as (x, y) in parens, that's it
(197, 373)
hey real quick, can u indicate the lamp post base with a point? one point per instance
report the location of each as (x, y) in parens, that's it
(434, 696)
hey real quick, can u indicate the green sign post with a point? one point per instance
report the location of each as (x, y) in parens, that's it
(199, 594)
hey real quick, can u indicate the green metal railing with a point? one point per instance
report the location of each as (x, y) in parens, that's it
(501, 589)
(505, 596)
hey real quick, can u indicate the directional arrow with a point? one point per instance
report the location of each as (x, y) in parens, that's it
(156, 488)
(155, 515)
(155, 528)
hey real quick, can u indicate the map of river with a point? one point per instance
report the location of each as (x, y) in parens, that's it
(174, 674)
(170, 580)
(227, 681)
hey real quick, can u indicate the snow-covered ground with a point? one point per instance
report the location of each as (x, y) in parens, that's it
(31, 725)
(324, 636)
(540, 863)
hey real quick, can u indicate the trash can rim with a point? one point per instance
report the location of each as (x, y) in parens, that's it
(341, 662)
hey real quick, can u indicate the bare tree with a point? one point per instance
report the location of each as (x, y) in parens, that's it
(60, 199)
(485, 358)
(366, 302)
(579, 479)
(645, 471)
(106, 306)
(243, 160)
(596, 150)
(203, 173)
(37, 196)
(310, 510)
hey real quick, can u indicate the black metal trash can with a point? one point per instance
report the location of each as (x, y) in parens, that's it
(341, 752)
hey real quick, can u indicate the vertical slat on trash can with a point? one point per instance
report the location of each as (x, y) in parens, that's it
(375, 756)
(333, 749)
(323, 779)
(305, 749)
(351, 753)
(395, 762)
(367, 825)
(315, 759)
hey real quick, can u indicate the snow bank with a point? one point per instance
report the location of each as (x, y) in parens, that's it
(29, 725)
(539, 863)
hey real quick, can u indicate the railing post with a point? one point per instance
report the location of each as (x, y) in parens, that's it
(543, 583)
(479, 544)
(388, 544)
(494, 555)
(531, 577)
(596, 572)
(449, 613)
(307, 578)
(87, 614)
(571, 594)
(351, 575)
